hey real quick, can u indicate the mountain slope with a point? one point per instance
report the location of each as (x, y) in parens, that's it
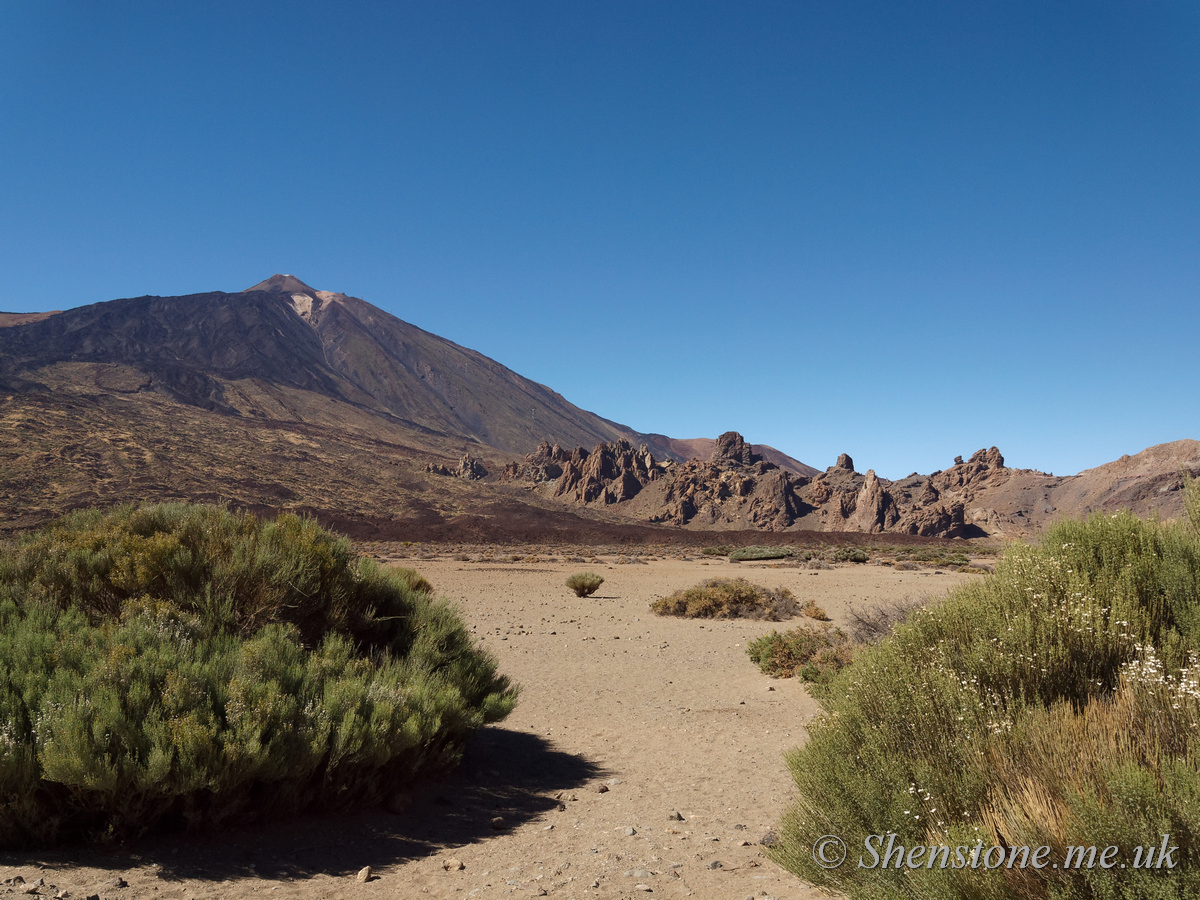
(256, 352)
(285, 396)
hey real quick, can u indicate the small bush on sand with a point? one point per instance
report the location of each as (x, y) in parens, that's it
(808, 653)
(743, 554)
(1053, 703)
(584, 584)
(729, 598)
(813, 611)
(719, 550)
(186, 666)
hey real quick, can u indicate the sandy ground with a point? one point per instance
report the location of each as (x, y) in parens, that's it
(626, 719)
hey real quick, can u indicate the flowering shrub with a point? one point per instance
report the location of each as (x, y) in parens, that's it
(1051, 703)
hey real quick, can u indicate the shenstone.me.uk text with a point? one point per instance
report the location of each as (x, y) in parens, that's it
(893, 855)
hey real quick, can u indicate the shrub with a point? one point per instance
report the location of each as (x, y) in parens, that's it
(810, 654)
(813, 611)
(1052, 702)
(179, 665)
(584, 584)
(881, 620)
(719, 550)
(728, 598)
(849, 554)
(743, 554)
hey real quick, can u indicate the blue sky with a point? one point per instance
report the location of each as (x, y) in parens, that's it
(900, 230)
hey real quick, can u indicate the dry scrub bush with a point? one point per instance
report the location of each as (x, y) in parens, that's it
(808, 653)
(185, 666)
(584, 584)
(813, 611)
(881, 620)
(745, 554)
(1053, 702)
(729, 598)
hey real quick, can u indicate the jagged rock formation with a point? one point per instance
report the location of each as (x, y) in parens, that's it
(737, 488)
(469, 468)
(611, 473)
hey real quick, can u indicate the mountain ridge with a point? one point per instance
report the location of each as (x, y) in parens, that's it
(284, 396)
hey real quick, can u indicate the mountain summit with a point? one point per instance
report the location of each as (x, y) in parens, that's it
(282, 284)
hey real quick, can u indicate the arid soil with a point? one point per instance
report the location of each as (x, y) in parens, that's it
(646, 757)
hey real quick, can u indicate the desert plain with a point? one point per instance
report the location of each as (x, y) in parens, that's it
(646, 757)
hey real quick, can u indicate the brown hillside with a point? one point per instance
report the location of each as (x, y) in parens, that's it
(283, 396)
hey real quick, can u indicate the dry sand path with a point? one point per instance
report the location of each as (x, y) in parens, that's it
(626, 719)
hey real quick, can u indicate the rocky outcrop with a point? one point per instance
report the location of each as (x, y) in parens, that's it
(731, 448)
(874, 509)
(936, 520)
(736, 488)
(543, 464)
(468, 467)
(611, 473)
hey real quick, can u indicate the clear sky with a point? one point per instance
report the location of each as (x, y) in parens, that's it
(905, 231)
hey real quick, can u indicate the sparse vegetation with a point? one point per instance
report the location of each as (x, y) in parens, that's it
(808, 653)
(955, 728)
(729, 598)
(584, 584)
(849, 554)
(177, 665)
(743, 554)
(881, 620)
(719, 550)
(813, 611)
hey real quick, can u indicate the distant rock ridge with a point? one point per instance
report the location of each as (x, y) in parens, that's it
(736, 488)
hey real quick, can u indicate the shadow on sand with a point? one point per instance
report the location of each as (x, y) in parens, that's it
(503, 773)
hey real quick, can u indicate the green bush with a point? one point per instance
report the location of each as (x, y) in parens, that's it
(810, 654)
(748, 553)
(1051, 703)
(584, 584)
(849, 554)
(182, 665)
(729, 598)
(719, 550)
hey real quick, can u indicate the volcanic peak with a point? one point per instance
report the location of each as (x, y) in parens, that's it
(282, 284)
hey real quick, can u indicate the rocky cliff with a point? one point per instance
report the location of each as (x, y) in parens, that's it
(736, 488)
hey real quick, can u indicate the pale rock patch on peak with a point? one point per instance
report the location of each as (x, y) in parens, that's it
(303, 304)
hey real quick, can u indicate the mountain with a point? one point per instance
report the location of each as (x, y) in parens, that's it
(177, 396)
(282, 350)
(283, 396)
